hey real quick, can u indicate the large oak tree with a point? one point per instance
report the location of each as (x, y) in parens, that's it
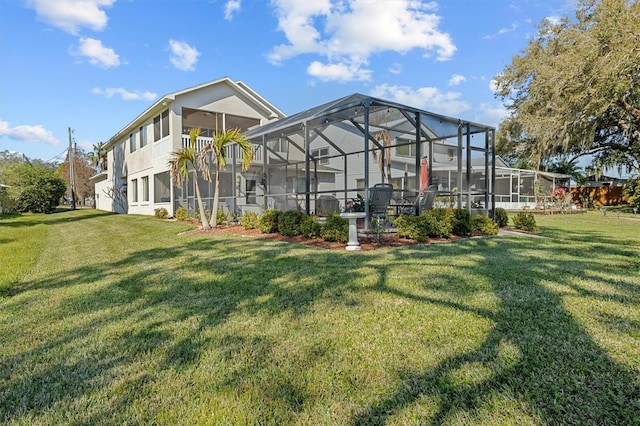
(575, 89)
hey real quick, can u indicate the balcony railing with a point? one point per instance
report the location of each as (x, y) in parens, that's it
(202, 141)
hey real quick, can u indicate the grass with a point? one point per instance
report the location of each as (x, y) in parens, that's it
(109, 319)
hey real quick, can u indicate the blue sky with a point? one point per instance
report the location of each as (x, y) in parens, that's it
(93, 65)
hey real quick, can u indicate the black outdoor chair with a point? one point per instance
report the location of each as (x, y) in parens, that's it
(379, 198)
(424, 201)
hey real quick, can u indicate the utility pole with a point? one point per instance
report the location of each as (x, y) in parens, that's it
(71, 175)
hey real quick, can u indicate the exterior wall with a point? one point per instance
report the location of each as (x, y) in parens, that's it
(128, 170)
(103, 202)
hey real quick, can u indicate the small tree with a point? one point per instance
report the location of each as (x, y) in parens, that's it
(98, 157)
(632, 190)
(37, 189)
(218, 147)
(180, 162)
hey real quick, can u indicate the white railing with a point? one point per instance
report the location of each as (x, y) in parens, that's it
(202, 141)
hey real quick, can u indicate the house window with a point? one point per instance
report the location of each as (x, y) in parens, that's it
(142, 135)
(250, 191)
(134, 191)
(279, 145)
(161, 126)
(406, 150)
(132, 142)
(451, 154)
(145, 188)
(161, 187)
(321, 155)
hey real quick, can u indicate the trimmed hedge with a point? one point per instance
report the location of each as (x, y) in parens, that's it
(181, 214)
(268, 222)
(310, 228)
(161, 213)
(289, 223)
(434, 223)
(501, 217)
(249, 220)
(335, 229)
(483, 225)
(461, 223)
(525, 221)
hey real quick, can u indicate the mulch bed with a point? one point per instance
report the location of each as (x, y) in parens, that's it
(388, 239)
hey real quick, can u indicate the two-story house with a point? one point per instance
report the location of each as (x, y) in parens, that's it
(137, 179)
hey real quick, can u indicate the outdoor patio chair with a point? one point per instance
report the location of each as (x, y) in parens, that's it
(424, 201)
(327, 204)
(379, 198)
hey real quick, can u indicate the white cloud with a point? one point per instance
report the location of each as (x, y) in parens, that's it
(428, 98)
(125, 94)
(348, 32)
(491, 115)
(71, 15)
(183, 56)
(502, 31)
(28, 133)
(456, 79)
(86, 146)
(554, 20)
(395, 68)
(338, 72)
(97, 53)
(493, 84)
(230, 8)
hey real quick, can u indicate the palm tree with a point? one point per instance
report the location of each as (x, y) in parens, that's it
(99, 156)
(218, 147)
(383, 154)
(180, 162)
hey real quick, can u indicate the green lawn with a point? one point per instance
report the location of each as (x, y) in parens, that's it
(111, 319)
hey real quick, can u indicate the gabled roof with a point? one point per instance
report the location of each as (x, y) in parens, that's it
(161, 103)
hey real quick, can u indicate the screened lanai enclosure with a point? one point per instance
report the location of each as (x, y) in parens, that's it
(321, 160)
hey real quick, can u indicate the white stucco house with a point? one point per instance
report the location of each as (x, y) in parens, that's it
(137, 178)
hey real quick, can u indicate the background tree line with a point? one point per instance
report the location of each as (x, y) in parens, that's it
(574, 92)
(39, 187)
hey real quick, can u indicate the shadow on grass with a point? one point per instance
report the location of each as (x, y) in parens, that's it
(58, 216)
(536, 353)
(589, 236)
(560, 374)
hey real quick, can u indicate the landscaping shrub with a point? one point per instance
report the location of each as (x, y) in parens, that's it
(249, 220)
(221, 217)
(335, 229)
(406, 224)
(461, 223)
(438, 222)
(483, 225)
(525, 221)
(290, 223)
(501, 217)
(232, 217)
(161, 213)
(207, 215)
(181, 214)
(310, 228)
(268, 222)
